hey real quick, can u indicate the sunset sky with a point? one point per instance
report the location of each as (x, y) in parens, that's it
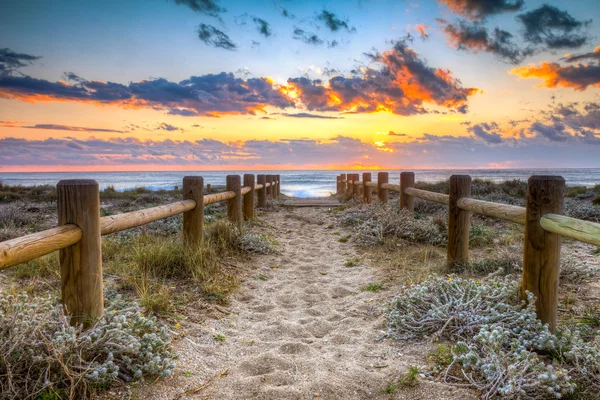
(289, 84)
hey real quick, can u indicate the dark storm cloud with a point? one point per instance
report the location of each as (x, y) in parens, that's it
(556, 29)
(214, 37)
(209, 95)
(481, 9)
(208, 7)
(334, 23)
(307, 37)
(476, 38)
(11, 61)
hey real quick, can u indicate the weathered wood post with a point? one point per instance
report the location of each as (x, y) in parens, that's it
(78, 202)
(349, 179)
(342, 184)
(366, 189)
(382, 177)
(270, 188)
(249, 197)
(337, 185)
(458, 222)
(278, 185)
(407, 180)
(356, 186)
(193, 220)
(262, 192)
(234, 206)
(541, 259)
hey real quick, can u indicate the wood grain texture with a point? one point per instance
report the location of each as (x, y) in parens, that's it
(541, 256)
(193, 220)
(356, 186)
(248, 208)
(120, 222)
(584, 231)
(382, 194)
(367, 193)
(78, 202)
(270, 185)
(502, 211)
(459, 223)
(32, 246)
(343, 183)
(261, 194)
(234, 205)
(391, 186)
(427, 195)
(407, 180)
(372, 185)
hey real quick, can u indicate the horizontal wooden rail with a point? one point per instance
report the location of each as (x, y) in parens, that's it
(391, 186)
(584, 231)
(218, 197)
(29, 247)
(258, 187)
(502, 211)
(246, 189)
(372, 184)
(426, 195)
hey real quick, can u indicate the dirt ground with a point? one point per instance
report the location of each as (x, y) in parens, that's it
(300, 327)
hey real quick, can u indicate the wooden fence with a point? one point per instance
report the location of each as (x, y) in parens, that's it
(77, 236)
(542, 218)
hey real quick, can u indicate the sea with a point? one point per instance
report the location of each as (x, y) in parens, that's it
(306, 183)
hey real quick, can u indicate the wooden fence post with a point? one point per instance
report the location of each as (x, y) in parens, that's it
(458, 222)
(356, 188)
(349, 178)
(278, 185)
(541, 258)
(337, 184)
(78, 202)
(193, 220)
(249, 197)
(234, 206)
(342, 184)
(262, 192)
(270, 188)
(407, 180)
(382, 177)
(366, 189)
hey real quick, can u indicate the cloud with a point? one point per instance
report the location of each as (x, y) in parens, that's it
(209, 95)
(208, 7)
(484, 131)
(476, 38)
(398, 82)
(163, 126)
(334, 23)
(214, 37)
(422, 29)
(69, 128)
(309, 115)
(11, 61)
(286, 13)
(478, 10)
(578, 77)
(556, 29)
(555, 132)
(263, 26)
(592, 56)
(307, 37)
(392, 133)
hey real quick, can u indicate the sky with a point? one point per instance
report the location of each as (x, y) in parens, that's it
(143, 85)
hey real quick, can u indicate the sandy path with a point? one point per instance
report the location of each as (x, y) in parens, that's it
(303, 330)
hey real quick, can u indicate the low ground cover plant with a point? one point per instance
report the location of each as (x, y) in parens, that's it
(502, 349)
(42, 356)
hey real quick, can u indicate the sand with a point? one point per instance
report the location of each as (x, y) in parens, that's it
(299, 328)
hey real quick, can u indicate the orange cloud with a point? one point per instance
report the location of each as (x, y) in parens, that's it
(578, 77)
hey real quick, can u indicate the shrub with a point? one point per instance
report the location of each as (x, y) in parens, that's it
(503, 349)
(255, 243)
(574, 191)
(41, 354)
(380, 221)
(582, 210)
(596, 201)
(575, 270)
